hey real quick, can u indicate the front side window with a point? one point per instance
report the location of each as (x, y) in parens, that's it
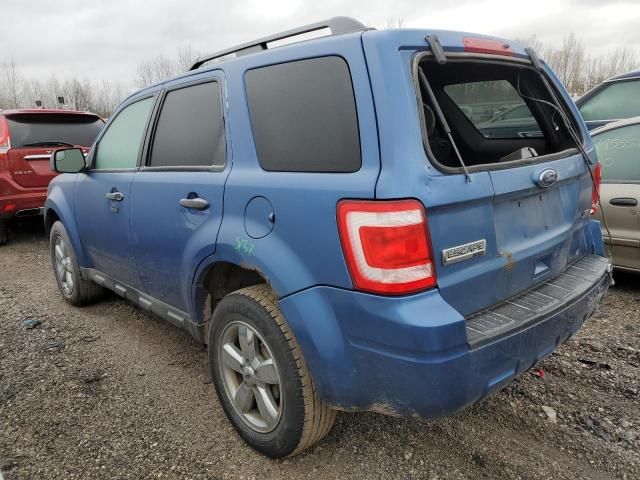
(120, 145)
(495, 108)
(619, 153)
(303, 116)
(190, 129)
(618, 100)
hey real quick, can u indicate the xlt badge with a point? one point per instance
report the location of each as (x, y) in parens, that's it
(464, 252)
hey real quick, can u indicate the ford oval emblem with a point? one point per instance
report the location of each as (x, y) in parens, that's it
(547, 178)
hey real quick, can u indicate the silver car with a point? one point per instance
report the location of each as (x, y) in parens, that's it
(618, 148)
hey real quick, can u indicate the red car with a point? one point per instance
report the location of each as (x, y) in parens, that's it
(27, 138)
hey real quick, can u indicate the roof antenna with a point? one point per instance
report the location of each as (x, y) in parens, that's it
(443, 121)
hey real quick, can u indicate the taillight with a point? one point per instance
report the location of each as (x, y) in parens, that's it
(386, 245)
(4, 136)
(597, 179)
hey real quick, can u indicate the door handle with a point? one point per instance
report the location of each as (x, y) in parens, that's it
(624, 202)
(195, 203)
(115, 196)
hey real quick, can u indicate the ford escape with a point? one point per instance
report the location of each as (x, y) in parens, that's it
(342, 223)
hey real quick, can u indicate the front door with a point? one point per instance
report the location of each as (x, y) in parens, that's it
(176, 198)
(619, 154)
(103, 194)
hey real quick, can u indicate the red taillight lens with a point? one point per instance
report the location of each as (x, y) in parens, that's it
(386, 245)
(597, 179)
(4, 136)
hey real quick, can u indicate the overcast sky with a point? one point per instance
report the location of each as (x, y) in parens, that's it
(106, 39)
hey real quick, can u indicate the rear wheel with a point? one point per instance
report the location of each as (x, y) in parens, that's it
(75, 289)
(260, 376)
(4, 233)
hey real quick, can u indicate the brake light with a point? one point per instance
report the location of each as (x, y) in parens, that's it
(386, 245)
(486, 45)
(5, 145)
(597, 180)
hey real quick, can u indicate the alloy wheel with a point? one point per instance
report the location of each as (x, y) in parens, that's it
(250, 376)
(64, 267)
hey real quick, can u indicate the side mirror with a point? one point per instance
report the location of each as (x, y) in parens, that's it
(68, 160)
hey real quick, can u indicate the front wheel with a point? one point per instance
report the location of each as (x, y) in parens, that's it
(261, 377)
(75, 289)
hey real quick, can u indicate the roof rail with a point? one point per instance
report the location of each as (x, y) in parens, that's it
(337, 25)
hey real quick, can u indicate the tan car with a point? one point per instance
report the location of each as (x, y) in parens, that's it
(618, 148)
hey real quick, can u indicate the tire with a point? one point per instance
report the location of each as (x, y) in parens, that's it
(4, 233)
(75, 289)
(302, 419)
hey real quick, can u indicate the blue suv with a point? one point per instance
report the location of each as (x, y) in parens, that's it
(328, 218)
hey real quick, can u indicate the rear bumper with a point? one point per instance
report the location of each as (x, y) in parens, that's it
(16, 200)
(412, 355)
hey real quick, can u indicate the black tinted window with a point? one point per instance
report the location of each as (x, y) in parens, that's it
(190, 130)
(25, 129)
(303, 116)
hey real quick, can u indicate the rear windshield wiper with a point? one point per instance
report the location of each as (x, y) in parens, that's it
(49, 143)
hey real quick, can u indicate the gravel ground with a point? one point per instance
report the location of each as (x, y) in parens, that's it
(109, 391)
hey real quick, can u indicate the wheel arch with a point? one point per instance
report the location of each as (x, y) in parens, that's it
(57, 208)
(216, 278)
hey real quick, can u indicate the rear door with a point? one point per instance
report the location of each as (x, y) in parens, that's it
(502, 231)
(33, 137)
(619, 154)
(103, 193)
(176, 198)
(537, 206)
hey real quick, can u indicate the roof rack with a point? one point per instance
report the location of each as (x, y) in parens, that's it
(337, 25)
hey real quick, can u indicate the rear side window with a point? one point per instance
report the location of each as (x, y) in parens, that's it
(43, 129)
(303, 116)
(120, 144)
(618, 100)
(495, 108)
(619, 153)
(190, 129)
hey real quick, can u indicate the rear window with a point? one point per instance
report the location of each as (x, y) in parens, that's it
(619, 153)
(495, 108)
(27, 129)
(618, 100)
(303, 116)
(495, 113)
(190, 130)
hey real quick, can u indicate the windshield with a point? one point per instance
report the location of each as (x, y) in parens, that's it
(25, 129)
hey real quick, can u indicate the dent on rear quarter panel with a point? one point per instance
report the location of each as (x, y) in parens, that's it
(60, 201)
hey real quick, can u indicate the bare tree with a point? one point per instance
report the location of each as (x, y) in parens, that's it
(577, 69)
(78, 94)
(161, 67)
(10, 84)
(395, 22)
(107, 96)
(185, 57)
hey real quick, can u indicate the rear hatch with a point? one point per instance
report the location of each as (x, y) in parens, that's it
(34, 135)
(517, 219)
